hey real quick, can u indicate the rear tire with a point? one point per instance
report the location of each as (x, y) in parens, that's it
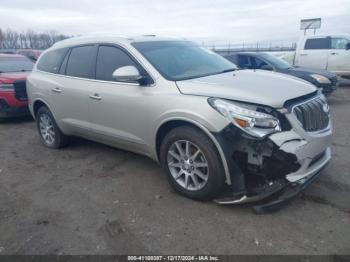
(49, 132)
(192, 163)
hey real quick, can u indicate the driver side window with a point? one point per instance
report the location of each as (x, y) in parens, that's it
(110, 58)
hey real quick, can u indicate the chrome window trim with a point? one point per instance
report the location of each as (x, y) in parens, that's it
(92, 80)
(117, 45)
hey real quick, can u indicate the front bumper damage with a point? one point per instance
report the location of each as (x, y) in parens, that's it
(274, 169)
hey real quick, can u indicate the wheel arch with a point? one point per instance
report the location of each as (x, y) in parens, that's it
(169, 124)
(37, 104)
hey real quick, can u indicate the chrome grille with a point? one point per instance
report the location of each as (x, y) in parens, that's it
(313, 114)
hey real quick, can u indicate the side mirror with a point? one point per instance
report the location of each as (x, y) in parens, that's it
(127, 74)
(266, 67)
(347, 47)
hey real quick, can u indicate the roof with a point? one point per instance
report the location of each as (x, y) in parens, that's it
(327, 35)
(110, 38)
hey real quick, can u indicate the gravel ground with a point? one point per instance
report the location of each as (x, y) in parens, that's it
(92, 199)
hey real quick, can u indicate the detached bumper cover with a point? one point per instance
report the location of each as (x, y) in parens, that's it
(280, 191)
(288, 193)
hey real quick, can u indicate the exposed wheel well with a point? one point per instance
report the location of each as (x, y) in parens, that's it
(37, 105)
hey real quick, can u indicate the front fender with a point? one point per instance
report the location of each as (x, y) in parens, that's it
(207, 127)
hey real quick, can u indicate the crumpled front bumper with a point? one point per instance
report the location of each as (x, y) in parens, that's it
(312, 153)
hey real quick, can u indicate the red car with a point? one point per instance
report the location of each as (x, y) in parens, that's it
(32, 54)
(14, 70)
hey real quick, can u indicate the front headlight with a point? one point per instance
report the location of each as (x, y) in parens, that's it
(320, 79)
(247, 117)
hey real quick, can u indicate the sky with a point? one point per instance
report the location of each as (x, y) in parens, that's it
(233, 21)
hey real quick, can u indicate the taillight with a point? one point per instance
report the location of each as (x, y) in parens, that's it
(6, 87)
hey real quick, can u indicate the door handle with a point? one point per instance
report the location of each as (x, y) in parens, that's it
(334, 53)
(303, 54)
(57, 90)
(96, 97)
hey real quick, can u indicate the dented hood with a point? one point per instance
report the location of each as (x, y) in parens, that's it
(254, 86)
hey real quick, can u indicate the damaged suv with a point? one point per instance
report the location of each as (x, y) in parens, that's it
(220, 133)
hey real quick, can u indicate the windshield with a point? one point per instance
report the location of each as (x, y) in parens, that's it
(180, 60)
(276, 62)
(15, 64)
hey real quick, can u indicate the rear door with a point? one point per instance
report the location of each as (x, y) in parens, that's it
(70, 96)
(314, 53)
(339, 58)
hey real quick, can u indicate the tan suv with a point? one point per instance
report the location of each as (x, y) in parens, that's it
(233, 135)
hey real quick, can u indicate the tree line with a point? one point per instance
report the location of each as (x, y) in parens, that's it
(11, 39)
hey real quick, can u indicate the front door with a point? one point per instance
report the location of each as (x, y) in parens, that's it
(117, 108)
(339, 58)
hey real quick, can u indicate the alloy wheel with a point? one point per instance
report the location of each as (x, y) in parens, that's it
(46, 129)
(188, 165)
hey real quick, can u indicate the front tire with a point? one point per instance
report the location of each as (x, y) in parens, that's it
(192, 163)
(49, 132)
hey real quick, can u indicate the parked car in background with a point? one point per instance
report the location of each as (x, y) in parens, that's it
(32, 54)
(323, 79)
(7, 51)
(14, 70)
(218, 132)
(327, 52)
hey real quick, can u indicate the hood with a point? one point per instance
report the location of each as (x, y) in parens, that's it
(301, 71)
(253, 86)
(9, 78)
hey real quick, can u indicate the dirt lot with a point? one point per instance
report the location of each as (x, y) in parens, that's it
(92, 199)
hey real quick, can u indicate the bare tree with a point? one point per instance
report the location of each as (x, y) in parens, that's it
(11, 39)
(1, 38)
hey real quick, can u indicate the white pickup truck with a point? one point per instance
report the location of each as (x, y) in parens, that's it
(329, 52)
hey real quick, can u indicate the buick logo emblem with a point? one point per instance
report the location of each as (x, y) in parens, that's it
(325, 108)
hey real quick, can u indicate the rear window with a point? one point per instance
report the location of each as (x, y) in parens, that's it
(51, 61)
(15, 64)
(318, 43)
(80, 61)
